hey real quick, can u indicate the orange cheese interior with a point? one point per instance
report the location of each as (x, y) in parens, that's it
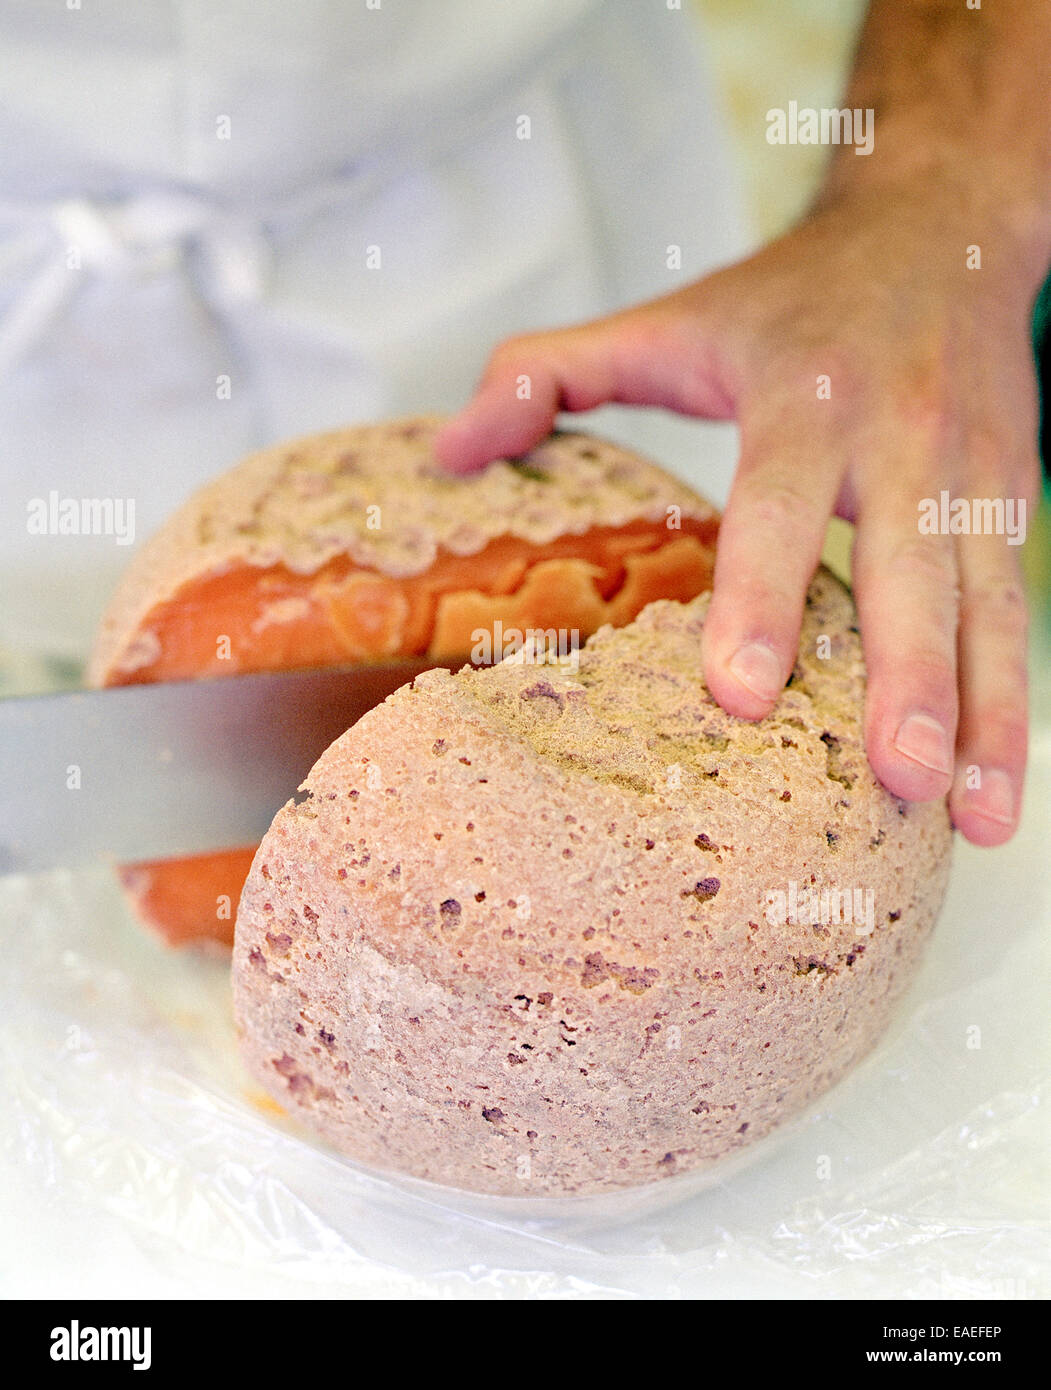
(248, 618)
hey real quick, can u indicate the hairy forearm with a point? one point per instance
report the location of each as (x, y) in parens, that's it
(962, 103)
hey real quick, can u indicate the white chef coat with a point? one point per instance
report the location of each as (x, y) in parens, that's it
(222, 224)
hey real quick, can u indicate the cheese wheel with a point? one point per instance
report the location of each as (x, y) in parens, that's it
(566, 928)
(355, 546)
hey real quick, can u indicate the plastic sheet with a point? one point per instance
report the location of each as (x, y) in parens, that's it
(139, 1159)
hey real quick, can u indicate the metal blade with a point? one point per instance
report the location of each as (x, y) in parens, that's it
(152, 771)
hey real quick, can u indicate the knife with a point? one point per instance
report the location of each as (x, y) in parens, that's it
(157, 770)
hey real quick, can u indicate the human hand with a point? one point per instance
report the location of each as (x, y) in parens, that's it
(869, 369)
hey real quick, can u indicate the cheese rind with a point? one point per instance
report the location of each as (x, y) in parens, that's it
(525, 932)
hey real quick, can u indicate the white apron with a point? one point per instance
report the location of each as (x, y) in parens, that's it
(222, 224)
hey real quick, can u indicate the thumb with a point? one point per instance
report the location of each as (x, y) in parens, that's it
(656, 354)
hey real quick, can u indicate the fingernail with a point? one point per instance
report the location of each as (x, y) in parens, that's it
(994, 798)
(756, 666)
(925, 741)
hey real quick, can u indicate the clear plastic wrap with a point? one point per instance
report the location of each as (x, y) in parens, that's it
(140, 1159)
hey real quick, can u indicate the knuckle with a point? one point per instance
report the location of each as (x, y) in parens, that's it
(746, 594)
(643, 334)
(778, 507)
(931, 674)
(926, 405)
(651, 323)
(793, 368)
(655, 341)
(988, 449)
(837, 363)
(999, 461)
(998, 601)
(926, 560)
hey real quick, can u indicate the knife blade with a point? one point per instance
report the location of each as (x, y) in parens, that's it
(157, 770)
